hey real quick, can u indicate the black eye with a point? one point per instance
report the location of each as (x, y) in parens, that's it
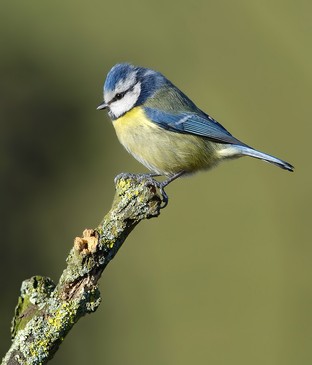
(119, 96)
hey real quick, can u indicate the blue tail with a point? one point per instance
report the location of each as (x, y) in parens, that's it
(248, 151)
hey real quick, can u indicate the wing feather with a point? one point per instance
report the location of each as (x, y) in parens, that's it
(193, 123)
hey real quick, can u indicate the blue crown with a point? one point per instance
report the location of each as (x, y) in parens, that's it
(150, 80)
(119, 72)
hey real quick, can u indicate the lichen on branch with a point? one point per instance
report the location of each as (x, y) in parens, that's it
(46, 312)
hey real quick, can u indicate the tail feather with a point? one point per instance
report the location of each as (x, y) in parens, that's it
(236, 151)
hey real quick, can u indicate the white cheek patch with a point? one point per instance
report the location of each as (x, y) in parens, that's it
(120, 107)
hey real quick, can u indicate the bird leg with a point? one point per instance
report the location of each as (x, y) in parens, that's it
(161, 186)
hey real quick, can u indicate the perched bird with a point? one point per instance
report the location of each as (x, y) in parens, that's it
(164, 130)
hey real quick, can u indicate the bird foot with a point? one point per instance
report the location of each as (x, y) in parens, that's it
(148, 180)
(124, 175)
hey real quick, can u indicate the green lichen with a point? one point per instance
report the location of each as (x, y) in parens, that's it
(34, 294)
(45, 313)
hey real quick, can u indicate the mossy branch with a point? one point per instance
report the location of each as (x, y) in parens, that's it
(46, 312)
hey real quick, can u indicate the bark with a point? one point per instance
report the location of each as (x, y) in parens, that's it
(46, 312)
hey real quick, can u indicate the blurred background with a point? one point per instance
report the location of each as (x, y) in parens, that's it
(223, 276)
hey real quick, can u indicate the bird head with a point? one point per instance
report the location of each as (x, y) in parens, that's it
(127, 86)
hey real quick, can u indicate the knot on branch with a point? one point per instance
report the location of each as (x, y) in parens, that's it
(87, 243)
(45, 313)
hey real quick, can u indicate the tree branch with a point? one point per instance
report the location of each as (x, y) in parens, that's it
(46, 312)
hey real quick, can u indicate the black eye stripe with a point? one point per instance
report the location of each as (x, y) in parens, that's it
(119, 96)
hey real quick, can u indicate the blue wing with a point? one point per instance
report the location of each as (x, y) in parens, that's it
(193, 123)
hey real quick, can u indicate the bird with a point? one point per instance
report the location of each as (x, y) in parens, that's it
(164, 130)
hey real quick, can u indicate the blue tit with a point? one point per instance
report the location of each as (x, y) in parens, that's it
(164, 130)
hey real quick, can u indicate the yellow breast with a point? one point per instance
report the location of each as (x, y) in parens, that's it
(133, 128)
(162, 151)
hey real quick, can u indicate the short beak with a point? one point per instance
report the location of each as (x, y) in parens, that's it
(102, 106)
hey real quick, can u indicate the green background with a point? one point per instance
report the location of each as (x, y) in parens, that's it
(223, 276)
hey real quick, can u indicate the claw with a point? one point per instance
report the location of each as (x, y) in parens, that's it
(164, 196)
(123, 175)
(149, 180)
(159, 185)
